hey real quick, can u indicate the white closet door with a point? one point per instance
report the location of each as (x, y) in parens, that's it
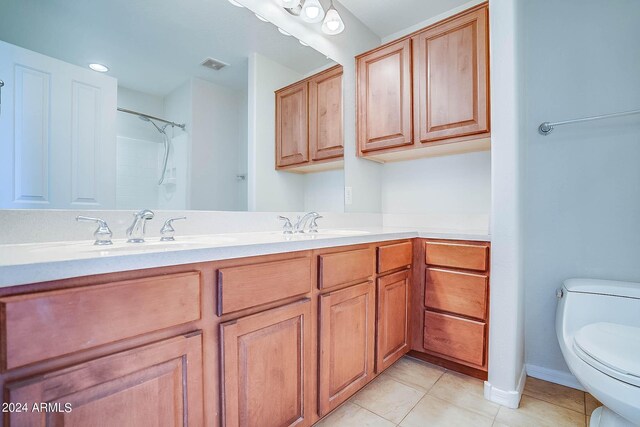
(57, 133)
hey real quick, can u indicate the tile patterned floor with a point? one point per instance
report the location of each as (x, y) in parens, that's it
(412, 393)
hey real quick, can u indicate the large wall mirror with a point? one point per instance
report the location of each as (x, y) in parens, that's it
(183, 118)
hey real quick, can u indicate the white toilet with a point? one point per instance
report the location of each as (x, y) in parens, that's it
(598, 328)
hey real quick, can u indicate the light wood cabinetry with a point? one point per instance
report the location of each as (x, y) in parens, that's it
(267, 368)
(347, 335)
(451, 311)
(70, 320)
(292, 125)
(309, 131)
(384, 97)
(427, 93)
(273, 340)
(392, 319)
(451, 78)
(326, 140)
(159, 384)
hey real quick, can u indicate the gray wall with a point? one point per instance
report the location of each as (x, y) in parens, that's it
(582, 185)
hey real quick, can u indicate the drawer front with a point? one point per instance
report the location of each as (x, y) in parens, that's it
(345, 267)
(454, 337)
(457, 255)
(256, 284)
(69, 320)
(391, 257)
(456, 292)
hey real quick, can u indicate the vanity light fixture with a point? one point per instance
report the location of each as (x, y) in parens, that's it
(333, 23)
(99, 68)
(235, 3)
(312, 11)
(283, 32)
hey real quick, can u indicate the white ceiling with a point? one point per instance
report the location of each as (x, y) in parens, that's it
(152, 45)
(386, 17)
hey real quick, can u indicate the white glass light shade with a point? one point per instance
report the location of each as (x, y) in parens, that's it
(333, 23)
(312, 11)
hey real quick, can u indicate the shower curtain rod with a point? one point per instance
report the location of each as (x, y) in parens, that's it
(180, 125)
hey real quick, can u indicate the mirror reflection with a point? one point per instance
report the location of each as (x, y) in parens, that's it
(127, 105)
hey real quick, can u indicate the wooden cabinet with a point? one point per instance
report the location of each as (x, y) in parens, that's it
(326, 140)
(158, 384)
(392, 339)
(292, 125)
(346, 353)
(266, 365)
(384, 97)
(309, 132)
(345, 267)
(428, 93)
(66, 321)
(453, 305)
(285, 338)
(451, 78)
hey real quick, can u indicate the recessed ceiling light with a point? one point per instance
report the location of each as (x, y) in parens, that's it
(302, 43)
(283, 32)
(235, 3)
(99, 68)
(261, 18)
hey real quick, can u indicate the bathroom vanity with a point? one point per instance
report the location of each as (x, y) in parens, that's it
(286, 336)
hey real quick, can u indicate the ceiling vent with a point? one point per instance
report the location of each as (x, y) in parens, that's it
(214, 64)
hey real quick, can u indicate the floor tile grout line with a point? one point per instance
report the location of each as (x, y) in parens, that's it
(413, 407)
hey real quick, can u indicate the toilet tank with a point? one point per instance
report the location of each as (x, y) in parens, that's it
(585, 301)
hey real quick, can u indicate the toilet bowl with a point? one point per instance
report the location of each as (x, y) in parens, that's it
(598, 329)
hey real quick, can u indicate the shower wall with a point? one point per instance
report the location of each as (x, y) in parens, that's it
(204, 162)
(140, 152)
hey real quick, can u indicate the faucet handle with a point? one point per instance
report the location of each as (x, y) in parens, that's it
(313, 227)
(103, 232)
(167, 231)
(287, 228)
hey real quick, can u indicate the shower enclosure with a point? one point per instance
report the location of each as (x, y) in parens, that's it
(151, 167)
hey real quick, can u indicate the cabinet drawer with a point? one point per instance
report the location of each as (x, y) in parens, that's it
(391, 257)
(345, 267)
(456, 292)
(69, 320)
(454, 337)
(457, 255)
(256, 284)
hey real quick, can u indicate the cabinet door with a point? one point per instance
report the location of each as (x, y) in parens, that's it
(325, 115)
(292, 125)
(347, 337)
(154, 385)
(267, 368)
(393, 319)
(384, 97)
(451, 73)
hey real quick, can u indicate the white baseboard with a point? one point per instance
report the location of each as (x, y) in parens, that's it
(508, 398)
(554, 376)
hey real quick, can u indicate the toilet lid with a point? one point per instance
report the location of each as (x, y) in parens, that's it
(612, 349)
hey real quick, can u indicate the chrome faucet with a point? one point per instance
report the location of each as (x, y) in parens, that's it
(103, 232)
(135, 233)
(301, 223)
(167, 231)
